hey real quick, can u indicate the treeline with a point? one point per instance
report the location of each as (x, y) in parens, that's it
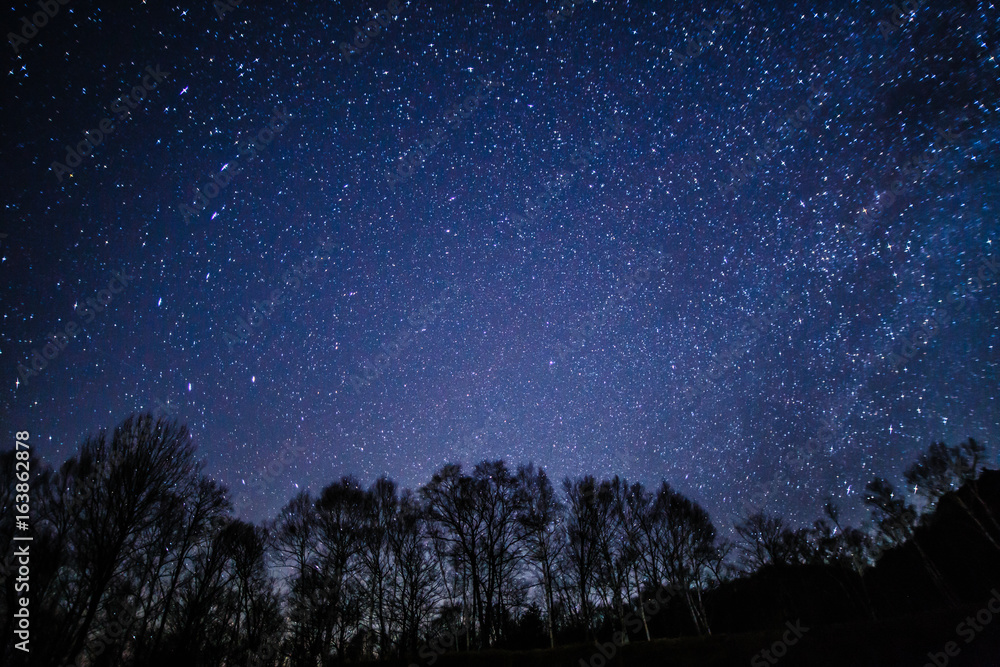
(137, 560)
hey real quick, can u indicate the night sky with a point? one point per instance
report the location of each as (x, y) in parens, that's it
(623, 256)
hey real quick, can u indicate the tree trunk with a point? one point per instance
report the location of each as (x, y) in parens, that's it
(979, 524)
(548, 601)
(701, 611)
(691, 610)
(935, 574)
(642, 610)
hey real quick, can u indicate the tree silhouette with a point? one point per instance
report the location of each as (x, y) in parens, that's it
(943, 468)
(896, 521)
(119, 520)
(137, 560)
(582, 553)
(543, 535)
(761, 541)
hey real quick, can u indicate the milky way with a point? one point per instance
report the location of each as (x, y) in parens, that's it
(663, 240)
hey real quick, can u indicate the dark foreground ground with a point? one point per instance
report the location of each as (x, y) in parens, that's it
(903, 642)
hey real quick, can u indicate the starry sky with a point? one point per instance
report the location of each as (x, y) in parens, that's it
(658, 240)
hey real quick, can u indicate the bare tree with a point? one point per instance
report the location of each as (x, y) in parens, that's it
(296, 541)
(416, 584)
(941, 469)
(760, 541)
(687, 536)
(459, 531)
(617, 554)
(381, 511)
(187, 518)
(539, 519)
(496, 500)
(137, 560)
(637, 518)
(896, 519)
(582, 553)
(145, 459)
(340, 518)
